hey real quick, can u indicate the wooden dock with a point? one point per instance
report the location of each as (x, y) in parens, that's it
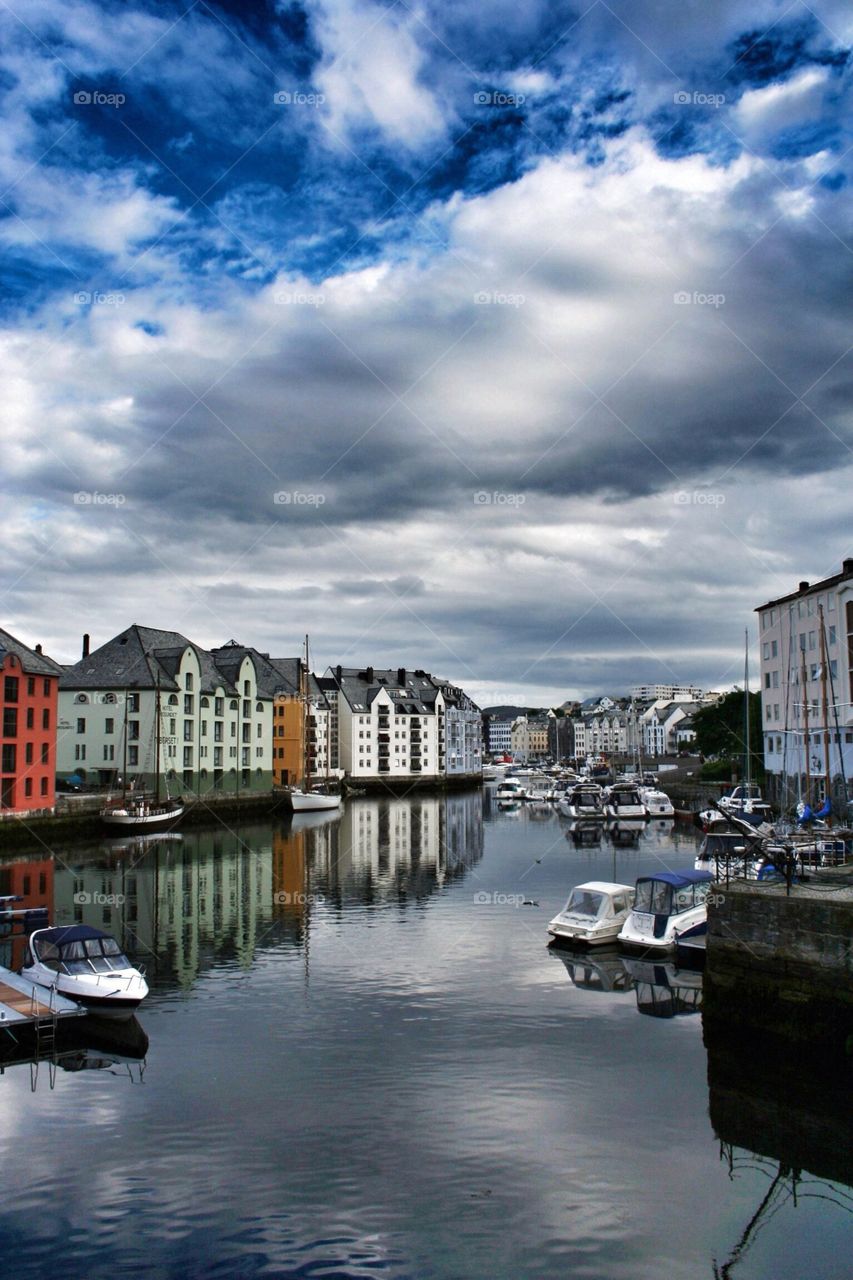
(24, 1003)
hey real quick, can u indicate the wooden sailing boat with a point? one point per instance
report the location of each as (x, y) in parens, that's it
(311, 796)
(141, 814)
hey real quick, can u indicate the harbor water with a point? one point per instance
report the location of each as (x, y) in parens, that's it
(359, 1058)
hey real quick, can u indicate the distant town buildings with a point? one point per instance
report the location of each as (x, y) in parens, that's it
(665, 692)
(806, 641)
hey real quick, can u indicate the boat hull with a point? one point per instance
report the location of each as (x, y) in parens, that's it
(305, 802)
(126, 821)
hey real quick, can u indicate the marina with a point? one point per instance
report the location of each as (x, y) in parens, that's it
(330, 987)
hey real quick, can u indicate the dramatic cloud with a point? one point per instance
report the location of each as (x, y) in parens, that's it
(519, 350)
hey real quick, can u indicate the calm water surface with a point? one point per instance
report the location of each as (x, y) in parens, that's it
(363, 1061)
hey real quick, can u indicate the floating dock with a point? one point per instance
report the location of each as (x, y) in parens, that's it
(26, 1004)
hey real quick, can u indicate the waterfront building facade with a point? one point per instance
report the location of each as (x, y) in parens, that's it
(499, 736)
(215, 715)
(28, 702)
(665, 693)
(806, 648)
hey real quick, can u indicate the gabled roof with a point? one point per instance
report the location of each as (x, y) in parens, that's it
(129, 661)
(34, 664)
(415, 697)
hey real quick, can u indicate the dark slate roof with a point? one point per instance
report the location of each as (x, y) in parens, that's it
(35, 664)
(288, 670)
(811, 587)
(418, 692)
(140, 658)
(229, 658)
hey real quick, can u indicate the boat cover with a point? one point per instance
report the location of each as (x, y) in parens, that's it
(678, 879)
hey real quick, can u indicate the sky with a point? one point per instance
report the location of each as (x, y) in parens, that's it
(510, 340)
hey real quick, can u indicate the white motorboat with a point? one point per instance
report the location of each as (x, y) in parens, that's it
(510, 789)
(87, 965)
(623, 800)
(594, 913)
(747, 803)
(658, 803)
(667, 905)
(583, 801)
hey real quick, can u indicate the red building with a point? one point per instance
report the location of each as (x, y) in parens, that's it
(29, 687)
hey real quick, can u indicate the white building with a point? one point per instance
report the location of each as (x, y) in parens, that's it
(666, 692)
(806, 645)
(390, 724)
(500, 736)
(660, 727)
(215, 716)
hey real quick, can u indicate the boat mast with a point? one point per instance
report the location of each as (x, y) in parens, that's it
(747, 763)
(124, 762)
(306, 757)
(825, 702)
(157, 736)
(806, 726)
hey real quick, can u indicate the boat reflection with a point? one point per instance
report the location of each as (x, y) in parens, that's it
(662, 989)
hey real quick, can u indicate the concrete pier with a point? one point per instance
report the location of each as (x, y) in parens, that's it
(783, 964)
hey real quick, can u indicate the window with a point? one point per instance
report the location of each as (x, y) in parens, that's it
(774, 648)
(10, 722)
(81, 724)
(109, 751)
(80, 751)
(188, 731)
(188, 680)
(133, 730)
(217, 757)
(28, 786)
(233, 728)
(812, 640)
(831, 635)
(247, 688)
(774, 679)
(109, 725)
(766, 679)
(766, 650)
(219, 706)
(45, 753)
(10, 688)
(133, 703)
(260, 731)
(31, 718)
(247, 709)
(217, 731)
(45, 688)
(188, 704)
(133, 756)
(188, 757)
(44, 793)
(28, 753)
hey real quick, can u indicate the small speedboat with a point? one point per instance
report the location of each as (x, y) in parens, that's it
(747, 803)
(658, 803)
(594, 913)
(666, 906)
(510, 789)
(85, 964)
(623, 801)
(583, 801)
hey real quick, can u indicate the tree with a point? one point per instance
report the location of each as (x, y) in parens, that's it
(720, 732)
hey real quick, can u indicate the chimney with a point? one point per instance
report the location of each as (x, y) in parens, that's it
(847, 566)
(369, 675)
(86, 645)
(804, 586)
(401, 676)
(38, 648)
(338, 673)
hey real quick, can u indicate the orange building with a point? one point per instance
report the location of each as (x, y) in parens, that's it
(29, 688)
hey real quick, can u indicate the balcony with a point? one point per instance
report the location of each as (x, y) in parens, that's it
(384, 737)
(384, 766)
(416, 737)
(415, 766)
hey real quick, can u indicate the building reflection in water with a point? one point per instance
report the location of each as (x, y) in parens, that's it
(184, 902)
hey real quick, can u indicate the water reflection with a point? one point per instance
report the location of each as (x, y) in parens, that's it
(84, 1044)
(661, 987)
(182, 903)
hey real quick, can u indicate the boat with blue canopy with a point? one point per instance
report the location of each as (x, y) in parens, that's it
(667, 906)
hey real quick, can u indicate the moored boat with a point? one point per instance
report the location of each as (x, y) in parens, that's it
(87, 965)
(593, 914)
(623, 801)
(666, 905)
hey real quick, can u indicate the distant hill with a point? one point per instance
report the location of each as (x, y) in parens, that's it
(510, 713)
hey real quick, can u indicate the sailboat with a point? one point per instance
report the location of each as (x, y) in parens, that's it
(311, 796)
(141, 813)
(746, 801)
